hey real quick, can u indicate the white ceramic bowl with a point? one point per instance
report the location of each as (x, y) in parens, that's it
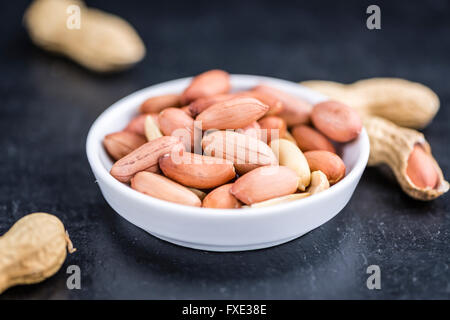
(219, 229)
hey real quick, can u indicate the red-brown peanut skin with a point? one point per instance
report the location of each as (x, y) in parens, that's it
(198, 106)
(234, 113)
(119, 144)
(186, 110)
(294, 110)
(327, 162)
(159, 103)
(137, 125)
(270, 123)
(265, 183)
(221, 198)
(172, 119)
(309, 139)
(145, 157)
(275, 104)
(246, 152)
(206, 84)
(421, 169)
(197, 171)
(336, 120)
(160, 187)
(252, 130)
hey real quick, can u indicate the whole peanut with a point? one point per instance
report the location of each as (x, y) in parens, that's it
(409, 156)
(32, 250)
(103, 42)
(405, 103)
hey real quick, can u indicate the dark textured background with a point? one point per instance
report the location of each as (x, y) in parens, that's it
(47, 105)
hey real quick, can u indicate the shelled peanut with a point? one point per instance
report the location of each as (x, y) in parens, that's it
(387, 104)
(233, 149)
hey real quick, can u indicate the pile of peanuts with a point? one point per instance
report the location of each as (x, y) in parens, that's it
(213, 148)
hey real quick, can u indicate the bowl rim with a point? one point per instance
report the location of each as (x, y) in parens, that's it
(101, 173)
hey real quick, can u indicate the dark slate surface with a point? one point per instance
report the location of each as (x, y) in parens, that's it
(47, 105)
